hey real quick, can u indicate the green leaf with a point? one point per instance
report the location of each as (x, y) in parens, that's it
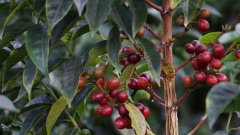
(139, 12)
(208, 38)
(56, 10)
(175, 3)
(189, 7)
(223, 97)
(37, 45)
(153, 58)
(55, 111)
(7, 104)
(29, 75)
(138, 121)
(97, 12)
(113, 47)
(141, 95)
(80, 4)
(126, 75)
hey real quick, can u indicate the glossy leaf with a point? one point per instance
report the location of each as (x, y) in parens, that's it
(153, 58)
(113, 47)
(55, 111)
(141, 95)
(40, 100)
(7, 104)
(29, 75)
(222, 98)
(80, 4)
(126, 75)
(97, 12)
(137, 119)
(208, 38)
(56, 10)
(37, 45)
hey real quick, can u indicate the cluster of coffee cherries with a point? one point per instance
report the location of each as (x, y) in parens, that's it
(202, 23)
(131, 56)
(140, 82)
(109, 96)
(204, 63)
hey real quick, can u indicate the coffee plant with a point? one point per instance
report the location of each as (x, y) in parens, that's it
(110, 67)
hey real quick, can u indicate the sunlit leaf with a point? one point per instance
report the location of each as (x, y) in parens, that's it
(208, 38)
(7, 104)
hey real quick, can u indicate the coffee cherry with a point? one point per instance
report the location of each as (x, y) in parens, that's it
(120, 123)
(200, 49)
(195, 43)
(125, 62)
(188, 81)
(97, 96)
(98, 73)
(82, 82)
(142, 83)
(189, 48)
(122, 96)
(200, 77)
(141, 32)
(113, 83)
(140, 106)
(203, 25)
(180, 20)
(204, 58)
(132, 84)
(221, 77)
(122, 110)
(218, 51)
(104, 101)
(128, 125)
(127, 48)
(195, 64)
(146, 112)
(204, 13)
(121, 36)
(134, 58)
(107, 110)
(216, 64)
(100, 81)
(147, 76)
(113, 93)
(211, 80)
(99, 110)
(237, 54)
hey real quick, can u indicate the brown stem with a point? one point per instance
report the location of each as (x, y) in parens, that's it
(231, 47)
(201, 121)
(186, 94)
(183, 64)
(151, 4)
(148, 28)
(156, 97)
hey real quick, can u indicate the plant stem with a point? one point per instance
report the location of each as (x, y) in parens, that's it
(151, 4)
(229, 120)
(201, 121)
(156, 97)
(148, 28)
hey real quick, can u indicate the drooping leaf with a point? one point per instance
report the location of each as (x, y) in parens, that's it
(80, 4)
(7, 104)
(29, 75)
(153, 58)
(113, 47)
(223, 97)
(55, 111)
(208, 38)
(56, 10)
(137, 119)
(126, 75)
(37, 45)
(141, 95)
(97, 12)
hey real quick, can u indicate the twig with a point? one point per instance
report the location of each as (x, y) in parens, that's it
(183, 64)
(231, 47)
(156, 97)
(151, 4)
(148, 28)
(186, 94)
(229, 120)
(201, 121)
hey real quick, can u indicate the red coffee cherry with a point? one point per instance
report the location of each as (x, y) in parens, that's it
(127, 48)
(189, 48)
(237, 54)
(180, 20)
(204, 58)
(200, 77)
(146, 112)
(147, 76)
(216, 63)
(97, 96)
(128, 126)
(218, 51)
(188, 81)
(141, 32)
(122, 110)
(140, 106)
(211, 80)
(195, 64)
(200, 49)
(203, 25)
(82, 82)
(100, 81)
(99, 110)
(113, 83)
(104, 101)
(122, 96)
(221, 77)
(134, 58)
(113, 93)
(196, 43)
(125, 62)
(132, 84)
(120, 123)
(107, 110)
(204, 13)
(142, 83)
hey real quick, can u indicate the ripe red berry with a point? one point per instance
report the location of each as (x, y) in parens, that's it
(140, 106)
(188, 81)
(100, 81)
(142, 83)
(122, 96)
(127, 48)
(221, 77)
(113, 83)
(147, 76)
(204, 58)
(125, 62)
(237, 54)
(128, 126)
(107, 110)
(195, 43)
(200, 49)
(216, 63)
(122, 110)
(211, 80)
(189, 48)
(113, 93)
(204, 13)
(99, 110)
(200, 76)
(218, 51)
(104, 101)
(97, 96)
(195, 64)
(146, 112)
(203, 25)
(134, 58)
(120, 123)
(141, 32)
(132, 84)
